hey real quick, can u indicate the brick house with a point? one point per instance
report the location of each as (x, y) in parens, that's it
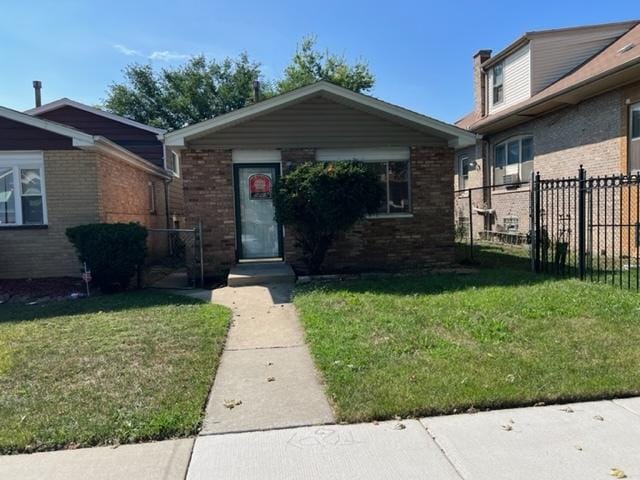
(549, 102)
(229, 164)
(64, 164)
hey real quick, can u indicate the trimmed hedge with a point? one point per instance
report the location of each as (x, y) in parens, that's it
(113, 251)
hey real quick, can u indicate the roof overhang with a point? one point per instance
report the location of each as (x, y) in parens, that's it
(623, 75)
(84, 141)
(455, 136)
(66, 102)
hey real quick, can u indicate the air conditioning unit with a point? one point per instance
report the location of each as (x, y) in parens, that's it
(512, 179)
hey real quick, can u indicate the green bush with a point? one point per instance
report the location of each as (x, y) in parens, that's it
(321, 199)
(113, 251)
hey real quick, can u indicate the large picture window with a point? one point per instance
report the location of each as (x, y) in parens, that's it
(391, 167)
(22, 197)
(513, 161)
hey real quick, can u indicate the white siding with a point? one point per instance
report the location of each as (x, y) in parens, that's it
(554, 55)
(516, 80)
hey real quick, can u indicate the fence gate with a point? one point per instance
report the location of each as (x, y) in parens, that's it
(175, 257)
(587, 227)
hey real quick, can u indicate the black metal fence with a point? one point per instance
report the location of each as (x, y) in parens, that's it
(587, 227)
(476, 221)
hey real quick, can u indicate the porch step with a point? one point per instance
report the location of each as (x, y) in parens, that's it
(260, 273)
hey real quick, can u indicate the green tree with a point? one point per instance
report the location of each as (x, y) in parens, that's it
(319, 200)
(310, 65)
(172, 98)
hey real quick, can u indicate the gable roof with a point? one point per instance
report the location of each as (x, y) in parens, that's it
(616, 65)
(527, 36)
(66, 102)
(455, 135)
(83, 140)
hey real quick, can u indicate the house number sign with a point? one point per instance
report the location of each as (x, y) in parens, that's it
(259, 187)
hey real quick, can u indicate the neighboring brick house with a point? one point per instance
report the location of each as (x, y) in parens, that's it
(65, 164)
(229, 164)
(549, 102)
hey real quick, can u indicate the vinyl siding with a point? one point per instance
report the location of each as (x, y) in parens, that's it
(136, 140)
(516, 79)
(555, 55)
(317, 122)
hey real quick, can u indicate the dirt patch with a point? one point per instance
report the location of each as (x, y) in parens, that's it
(39, 289)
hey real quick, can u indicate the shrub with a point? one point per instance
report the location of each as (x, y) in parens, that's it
(113, 251)
(321, 199)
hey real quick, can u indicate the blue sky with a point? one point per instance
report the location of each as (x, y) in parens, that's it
(419, 51)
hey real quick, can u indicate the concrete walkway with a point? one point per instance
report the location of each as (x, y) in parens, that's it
(266, 378)
(597, 440)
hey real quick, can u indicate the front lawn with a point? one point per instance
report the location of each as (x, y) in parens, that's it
(442, 343)
(106, 370)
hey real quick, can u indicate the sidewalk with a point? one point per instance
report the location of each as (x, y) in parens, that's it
(579, 441)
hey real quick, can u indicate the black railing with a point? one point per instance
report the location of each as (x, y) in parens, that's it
(587, 227)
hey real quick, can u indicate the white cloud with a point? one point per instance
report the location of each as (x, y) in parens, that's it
(126, 51)
(167, 56)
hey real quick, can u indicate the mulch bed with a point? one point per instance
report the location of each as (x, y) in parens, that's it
(39, 289)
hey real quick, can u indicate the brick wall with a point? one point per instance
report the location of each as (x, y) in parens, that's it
(592, 133)
(71, 194)
(424, 239)
(124, 196)
(81, 187)
(207, 178)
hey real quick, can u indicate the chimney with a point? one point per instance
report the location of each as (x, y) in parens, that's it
(479, 82)
(37, 86)
(256, 91)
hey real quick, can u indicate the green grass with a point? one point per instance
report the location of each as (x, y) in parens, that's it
(106, 370)
(498, 337)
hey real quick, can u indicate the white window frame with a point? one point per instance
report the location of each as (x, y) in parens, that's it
(22, 161)
(374, 155)
(633, 108)
(174, 157)
(462, 159)
(519, 139)
(493, 84)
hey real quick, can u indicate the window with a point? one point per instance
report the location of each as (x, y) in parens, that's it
(498, 81)
(391, 167)
(634, 140)
(152, 197)
(173, 163)
(22, 198)
(463, 171)
(394, 179)
(513, 161)
(510, 224)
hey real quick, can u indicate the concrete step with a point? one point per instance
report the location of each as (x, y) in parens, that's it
(260, 273)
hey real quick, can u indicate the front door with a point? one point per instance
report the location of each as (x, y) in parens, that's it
(259, 235)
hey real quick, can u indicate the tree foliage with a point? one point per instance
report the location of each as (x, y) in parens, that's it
(310, 65)
(319, 200)
(175, 97)
(204, 88)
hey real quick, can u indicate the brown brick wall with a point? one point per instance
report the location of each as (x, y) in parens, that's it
(424, 239)
(71, 193)
(208, 195)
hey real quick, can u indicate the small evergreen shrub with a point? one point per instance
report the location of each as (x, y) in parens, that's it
(113, 251)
